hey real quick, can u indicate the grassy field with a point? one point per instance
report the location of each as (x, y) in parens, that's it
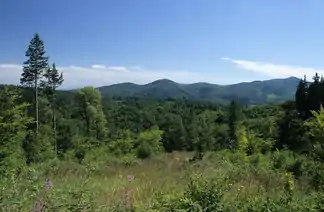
(167, 183)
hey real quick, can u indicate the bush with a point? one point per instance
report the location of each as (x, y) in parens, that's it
(296, 168)
(256, 144)
(121, 147)
(149, 143)
(144, 151)
(201, 195)
(207, 194)
(317, 180)
(280, 159)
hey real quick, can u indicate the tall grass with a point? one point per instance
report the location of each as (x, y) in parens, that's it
(235, 181)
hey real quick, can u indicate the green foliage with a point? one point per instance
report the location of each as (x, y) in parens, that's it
(13, 129)
(144, 151)
(36, 64)
(203, 131)
(291, 130)
(317, 177)
(256, 144)
(301, 97)
(39, 148)
(122, 146)
(280, 159)
(33, 70)
(53, 79)
(201, 195)
(241, 138)
(315, 126)
(207, 194)
(149, 143)
(236, 130)
(96, 158)
(296, 168)
(175, 134)
(89, 110)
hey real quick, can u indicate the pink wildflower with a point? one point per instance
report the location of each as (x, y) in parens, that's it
(48, 184)
(130, 178)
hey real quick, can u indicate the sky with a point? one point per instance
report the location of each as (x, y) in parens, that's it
(103, 42)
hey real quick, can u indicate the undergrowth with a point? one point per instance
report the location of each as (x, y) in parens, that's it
(222, 181)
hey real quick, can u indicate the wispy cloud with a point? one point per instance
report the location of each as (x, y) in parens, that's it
(118, 68)
(275, 70)
(98, 66)
(99, 75)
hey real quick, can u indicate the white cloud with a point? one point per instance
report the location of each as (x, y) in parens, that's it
(136, 68)
(98, 66)
(118, 68)
(10, 73)
(100, 75)
(275, 70)
(76, 76)
(10, 66)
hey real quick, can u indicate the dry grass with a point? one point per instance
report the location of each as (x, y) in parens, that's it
(165, 174)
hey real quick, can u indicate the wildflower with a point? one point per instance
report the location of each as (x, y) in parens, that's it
(289, 184)
(128, 194)
(130, 178)
(48, 184)
(38, 207)
(229, 186)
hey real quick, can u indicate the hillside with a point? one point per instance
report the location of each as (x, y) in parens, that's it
(256, 92)
(250, 93)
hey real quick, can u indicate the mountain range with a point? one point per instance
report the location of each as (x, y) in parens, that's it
(250, 93)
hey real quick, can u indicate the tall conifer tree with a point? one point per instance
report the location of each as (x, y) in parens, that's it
(52, 80)
(33, 69)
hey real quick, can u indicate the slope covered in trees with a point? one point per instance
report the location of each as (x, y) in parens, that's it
(248, 158)
(250, 93)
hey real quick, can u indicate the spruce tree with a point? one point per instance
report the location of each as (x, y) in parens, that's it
(233, 119)
(52, 80)
(33, 69)
(301, 98)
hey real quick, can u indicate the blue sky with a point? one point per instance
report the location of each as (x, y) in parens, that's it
(103, 42)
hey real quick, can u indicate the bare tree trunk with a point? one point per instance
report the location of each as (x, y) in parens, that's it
(54, 123)
(36, 102)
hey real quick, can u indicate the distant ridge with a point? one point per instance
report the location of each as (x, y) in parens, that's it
(256, 92)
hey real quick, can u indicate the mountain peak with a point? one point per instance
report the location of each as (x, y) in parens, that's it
(162, 81)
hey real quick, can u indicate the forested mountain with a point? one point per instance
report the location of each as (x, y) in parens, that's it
(256, 92)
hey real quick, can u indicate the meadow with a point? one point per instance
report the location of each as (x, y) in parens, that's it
(222, 181)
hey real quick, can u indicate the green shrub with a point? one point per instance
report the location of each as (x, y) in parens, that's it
(144, 151)
(149, 143)
(201, 195)
(208, 194)
(317, 180)
(121, 147)
(280, 159)
(296, 168)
